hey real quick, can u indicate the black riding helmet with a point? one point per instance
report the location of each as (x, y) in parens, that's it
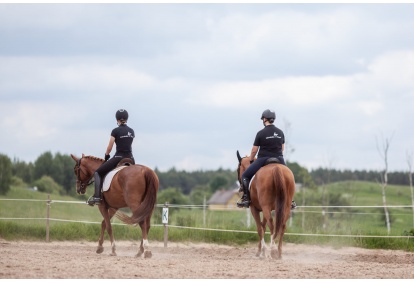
(268, 114)
(121, 114)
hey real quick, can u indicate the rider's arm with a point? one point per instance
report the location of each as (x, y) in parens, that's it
(283, 148)
(253, 152)
(110, 145)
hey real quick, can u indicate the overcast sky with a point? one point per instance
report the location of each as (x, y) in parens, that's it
(195, 79)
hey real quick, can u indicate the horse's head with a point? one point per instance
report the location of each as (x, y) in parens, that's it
(84, 170)
(244, 162)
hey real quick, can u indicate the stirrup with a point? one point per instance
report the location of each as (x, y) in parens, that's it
(243, 202)
(93, 200)
(293, 205)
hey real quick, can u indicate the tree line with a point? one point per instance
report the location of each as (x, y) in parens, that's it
(323, 176)
(54, 172)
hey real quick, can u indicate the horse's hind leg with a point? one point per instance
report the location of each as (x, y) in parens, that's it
(100, 248)
(279, 247)
(267, 215)
(268, 219)
(106, 224)
(256, 215)
(144, 247)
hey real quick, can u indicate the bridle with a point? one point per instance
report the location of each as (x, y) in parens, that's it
(238, 172)
(78, 171)
(239, 177)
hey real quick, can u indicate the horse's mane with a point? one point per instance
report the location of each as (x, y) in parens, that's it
(94, 158)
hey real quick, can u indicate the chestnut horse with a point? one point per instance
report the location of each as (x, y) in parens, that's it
(272, 188)
(135, 186)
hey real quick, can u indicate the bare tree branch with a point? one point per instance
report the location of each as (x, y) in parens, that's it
(383, 151)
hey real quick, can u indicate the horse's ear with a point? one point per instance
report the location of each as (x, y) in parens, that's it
(238, 156)
(74, 157)
(83, 155)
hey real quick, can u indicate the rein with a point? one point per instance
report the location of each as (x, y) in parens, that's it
(78, 171)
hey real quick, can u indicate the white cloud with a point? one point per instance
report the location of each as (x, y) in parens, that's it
(393, 71)
(196, 79)
(370, 108)
(30, 121)
(395, 68)
(292, 90)
(70, 73)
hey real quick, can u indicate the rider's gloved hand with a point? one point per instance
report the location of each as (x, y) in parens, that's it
(107, 157)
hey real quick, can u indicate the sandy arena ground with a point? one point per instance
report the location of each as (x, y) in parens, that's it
(78, 260)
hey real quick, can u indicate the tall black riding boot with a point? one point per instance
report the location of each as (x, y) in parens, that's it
(96, 198)
(245, 200)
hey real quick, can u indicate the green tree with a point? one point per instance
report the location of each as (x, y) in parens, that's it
(173, 196)
(198, 194)
(219, 182)
(62, 172)
(5, 174)
(302, 175)
(46, 184)
(43, 165)
(23, 170)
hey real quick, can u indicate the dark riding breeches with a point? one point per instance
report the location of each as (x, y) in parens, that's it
(110, 164)
(256, 165)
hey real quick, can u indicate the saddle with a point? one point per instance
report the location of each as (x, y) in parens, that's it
(126, 162)
(272, 160)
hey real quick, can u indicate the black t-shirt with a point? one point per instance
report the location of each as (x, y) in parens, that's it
(124, 136)
(270, 140)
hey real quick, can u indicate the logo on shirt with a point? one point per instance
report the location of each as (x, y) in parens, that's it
(275, 136)
(129, 135)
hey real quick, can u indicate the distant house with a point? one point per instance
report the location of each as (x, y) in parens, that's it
(224, 200)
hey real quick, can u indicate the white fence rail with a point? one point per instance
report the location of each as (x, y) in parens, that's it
(48, 202)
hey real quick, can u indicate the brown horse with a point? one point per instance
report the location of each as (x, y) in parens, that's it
(272, 188)
(135, 186)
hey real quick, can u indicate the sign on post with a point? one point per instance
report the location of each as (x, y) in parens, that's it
(165, 215)
(165, 222)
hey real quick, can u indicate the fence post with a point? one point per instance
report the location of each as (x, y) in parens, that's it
(47, 217)
(165, 222)
(204, 211)
(247, 218)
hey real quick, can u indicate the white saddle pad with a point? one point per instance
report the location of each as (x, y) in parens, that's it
(109, 176)
(250, 183)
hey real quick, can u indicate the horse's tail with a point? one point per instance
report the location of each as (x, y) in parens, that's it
(147, 205)
(282, 205)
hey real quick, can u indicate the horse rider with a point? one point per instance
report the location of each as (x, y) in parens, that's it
(269, 142)
(123, 136)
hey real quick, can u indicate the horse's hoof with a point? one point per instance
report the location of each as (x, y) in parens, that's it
(99, 250)
(147, 254)
(113, 254)
(275, 255)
